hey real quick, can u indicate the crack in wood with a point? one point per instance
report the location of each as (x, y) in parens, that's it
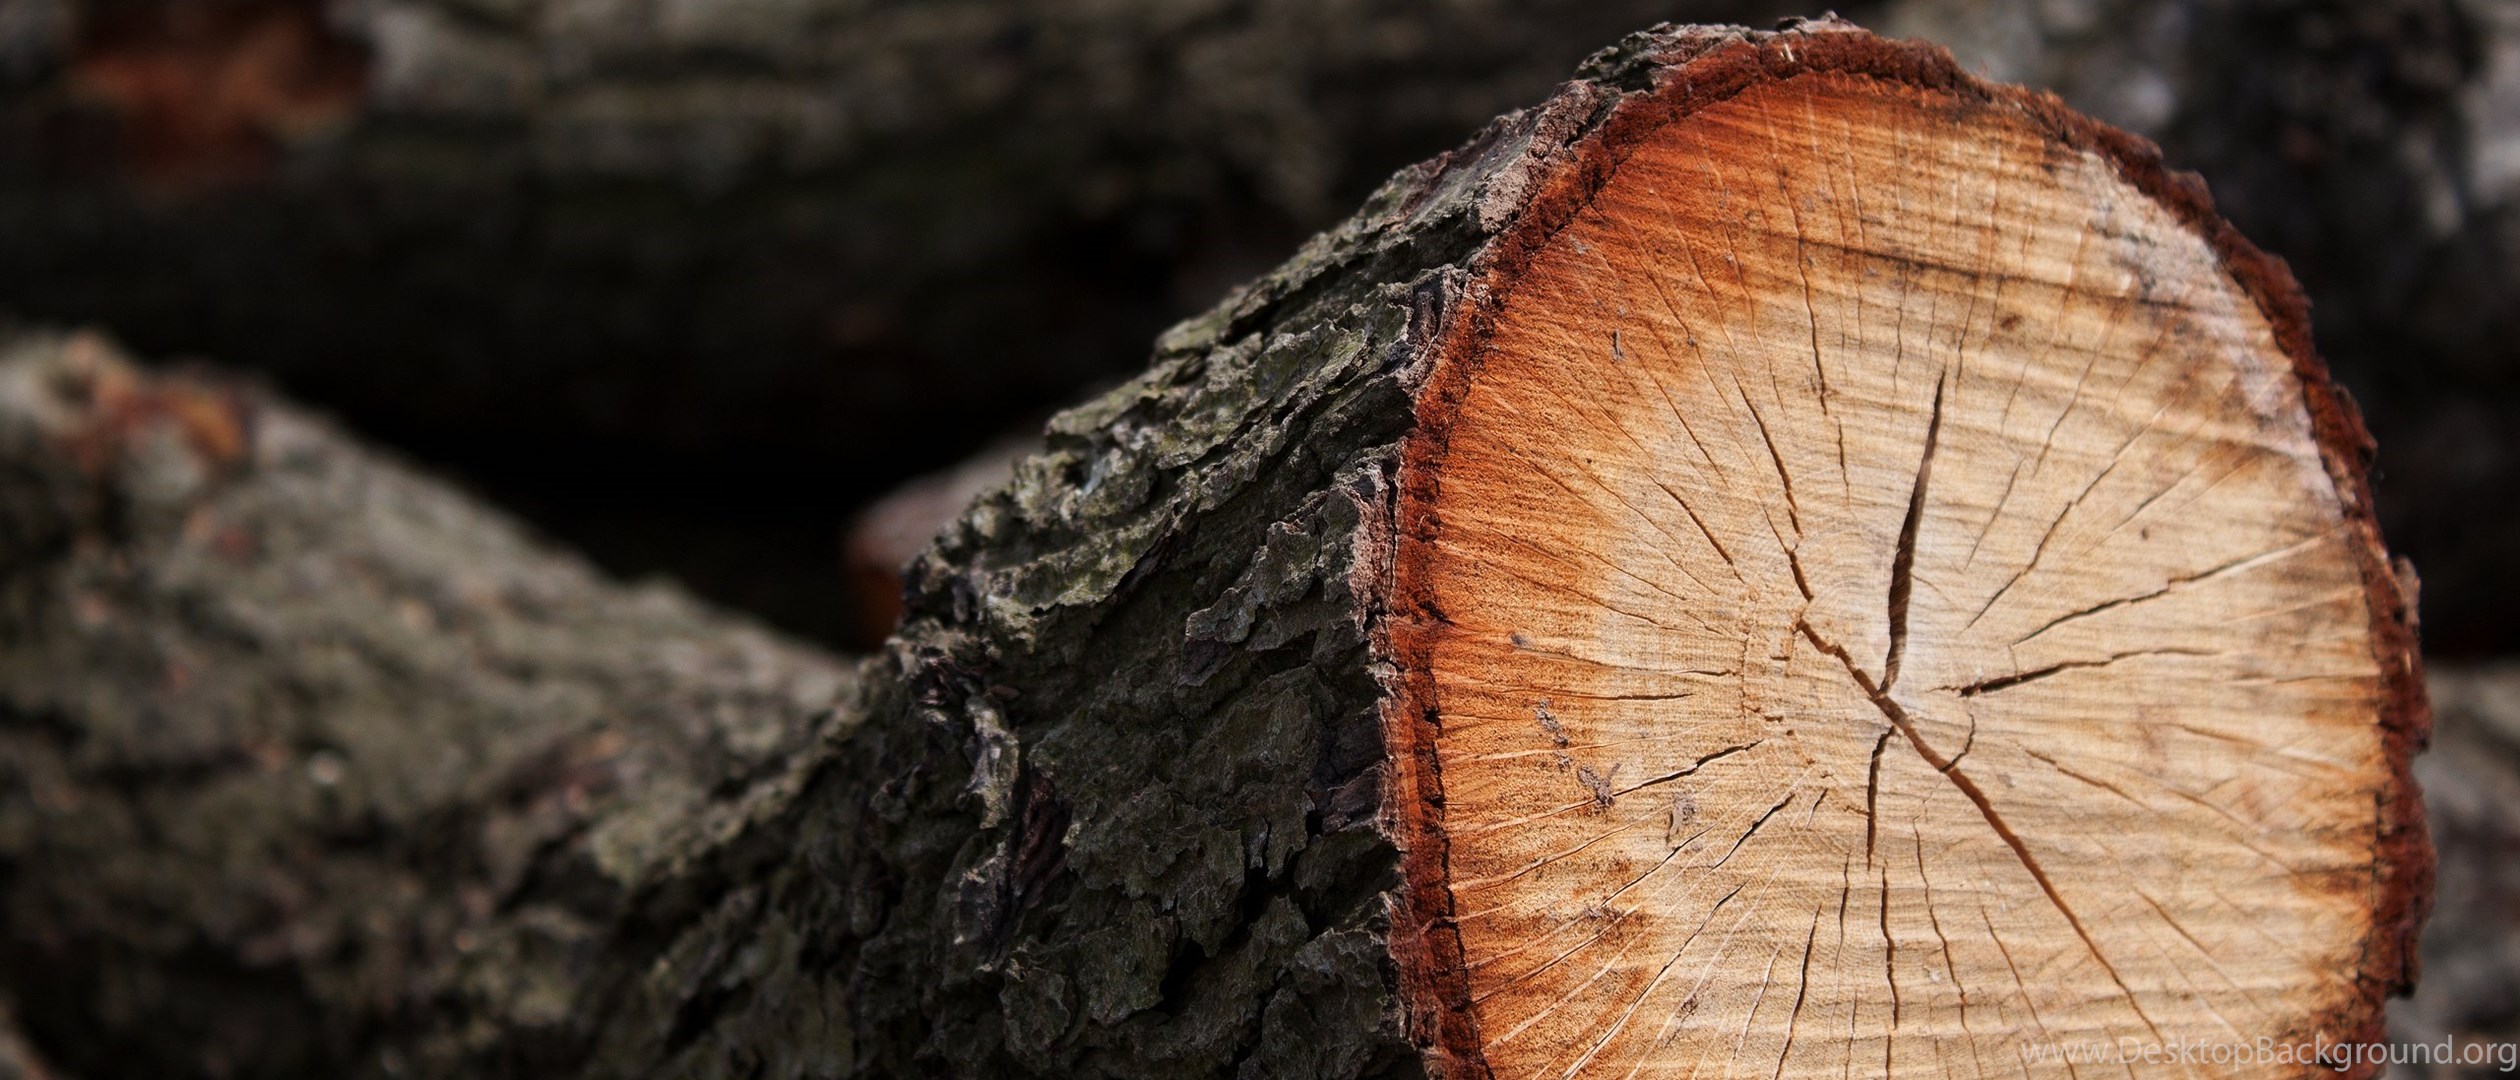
(1986, 809)
(1903, 562)
(2007, 682)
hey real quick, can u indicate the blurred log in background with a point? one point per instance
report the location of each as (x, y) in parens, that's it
(688, 282)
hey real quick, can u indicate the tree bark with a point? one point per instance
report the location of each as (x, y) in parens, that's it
(313, 765)
(1607, 496)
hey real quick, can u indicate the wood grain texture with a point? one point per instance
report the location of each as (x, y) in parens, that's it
(1889, 601)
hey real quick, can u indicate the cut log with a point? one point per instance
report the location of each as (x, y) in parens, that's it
(1879, 565)
(1784, 556)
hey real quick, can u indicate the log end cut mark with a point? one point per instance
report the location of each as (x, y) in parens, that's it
(1907, 594)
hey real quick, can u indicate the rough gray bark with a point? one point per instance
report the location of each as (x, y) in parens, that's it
(2376, 147)
(310, 762)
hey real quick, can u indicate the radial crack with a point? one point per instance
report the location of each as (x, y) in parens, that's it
(1989, 686)
(1692, 767)
(1976, 795)
(2239, 565)
(1903, 564)
(1872, 793)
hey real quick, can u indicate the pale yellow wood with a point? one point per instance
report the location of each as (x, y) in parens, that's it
(1895, 611)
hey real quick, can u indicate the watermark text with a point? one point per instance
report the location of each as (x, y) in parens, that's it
(2318, 1051)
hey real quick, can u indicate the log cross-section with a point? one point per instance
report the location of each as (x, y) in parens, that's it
(1784, 559)
(1891, 593)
